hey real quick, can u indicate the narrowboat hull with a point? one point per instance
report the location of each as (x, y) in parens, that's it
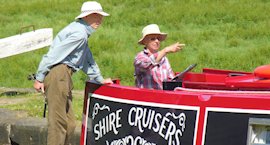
(123, 115)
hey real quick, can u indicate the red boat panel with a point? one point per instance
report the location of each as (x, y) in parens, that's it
(223, 72)
(226, 80)
(204, 81)
(262, 71)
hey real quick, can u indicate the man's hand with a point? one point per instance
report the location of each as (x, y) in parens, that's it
(169, 49)
(174, 47)
(107, 81)
(39, 86)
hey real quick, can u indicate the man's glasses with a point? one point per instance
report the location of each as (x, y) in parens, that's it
(154, 38)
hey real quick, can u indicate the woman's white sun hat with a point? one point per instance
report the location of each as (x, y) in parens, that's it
(91, 7)
(151, 29)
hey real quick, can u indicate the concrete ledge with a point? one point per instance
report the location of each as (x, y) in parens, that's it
(29, 131)
(16, 128)
(7, 119)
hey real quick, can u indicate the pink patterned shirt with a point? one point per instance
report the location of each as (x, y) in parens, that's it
(149, 73)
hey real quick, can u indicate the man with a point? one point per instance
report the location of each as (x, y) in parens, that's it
(68, 54)
(151, 65)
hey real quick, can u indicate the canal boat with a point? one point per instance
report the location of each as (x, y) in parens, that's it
(212, 107)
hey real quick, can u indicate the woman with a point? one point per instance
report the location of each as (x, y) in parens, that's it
(152, 67)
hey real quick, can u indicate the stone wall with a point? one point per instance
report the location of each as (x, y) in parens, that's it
(17, 128)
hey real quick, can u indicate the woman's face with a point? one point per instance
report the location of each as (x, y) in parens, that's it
(152, 42)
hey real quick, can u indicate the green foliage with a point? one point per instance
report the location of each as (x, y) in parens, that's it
(33, 104)
(218, 34)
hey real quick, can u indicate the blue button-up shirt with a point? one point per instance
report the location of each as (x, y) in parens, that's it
(70, 47)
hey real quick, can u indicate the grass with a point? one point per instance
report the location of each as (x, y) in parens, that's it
(218, 34)
(33, 104)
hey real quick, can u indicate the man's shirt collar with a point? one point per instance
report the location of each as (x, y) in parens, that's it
(89, 29)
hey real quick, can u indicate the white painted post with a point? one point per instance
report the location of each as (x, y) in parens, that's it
(25, 42)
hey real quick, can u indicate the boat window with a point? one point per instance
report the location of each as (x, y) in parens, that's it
(259, 131)
(171, 85)
(236, 74)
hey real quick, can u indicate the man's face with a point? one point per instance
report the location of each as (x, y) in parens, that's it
(94, 20)
(152, 42)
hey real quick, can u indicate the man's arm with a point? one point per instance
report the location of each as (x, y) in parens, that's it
(144, 62)
(57, 53)
(91, 68)
(169, 49)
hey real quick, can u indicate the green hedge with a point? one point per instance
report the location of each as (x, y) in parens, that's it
(218, 34)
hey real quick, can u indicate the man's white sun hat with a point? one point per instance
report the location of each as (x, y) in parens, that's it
(91, 7)
(151, 29)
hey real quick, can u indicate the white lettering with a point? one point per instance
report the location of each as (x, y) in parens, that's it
(170, 132)
(130, 116)
(163, 125)
(110, 123)
(151, 119)
(178, 134)
(133, 141)
(138, 118)
(157, 117)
